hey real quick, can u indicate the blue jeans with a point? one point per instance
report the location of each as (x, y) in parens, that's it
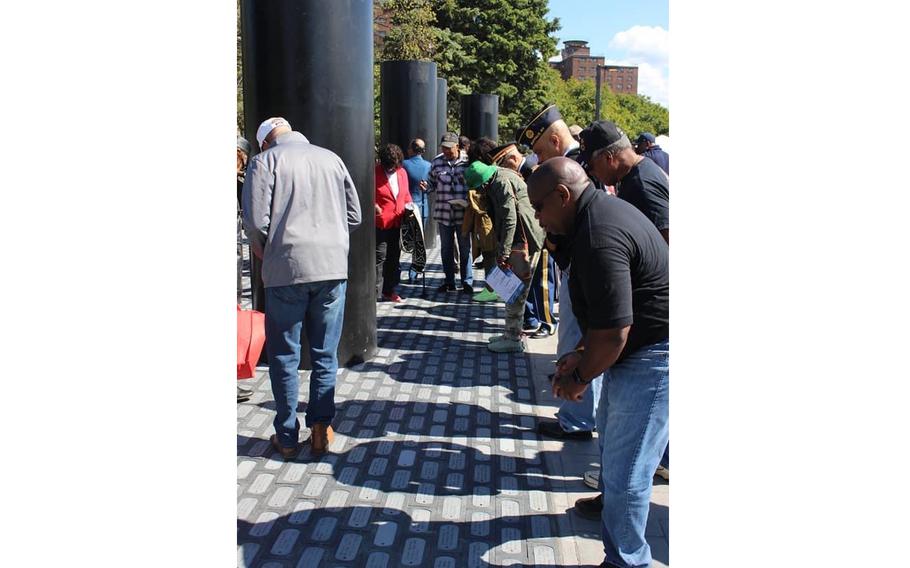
(317, 308)
(632, 424)
(574, 416)
(447, 236)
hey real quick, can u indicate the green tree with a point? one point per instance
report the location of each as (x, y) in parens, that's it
(499, 47)
(574, 98)
(413, 35)
(633, 113)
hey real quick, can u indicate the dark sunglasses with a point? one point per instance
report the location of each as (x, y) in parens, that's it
(538, 207)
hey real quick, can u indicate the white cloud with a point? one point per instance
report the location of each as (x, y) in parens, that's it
(646, 47)
(651, 43)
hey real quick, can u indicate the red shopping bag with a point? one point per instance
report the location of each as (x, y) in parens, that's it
(250, 339)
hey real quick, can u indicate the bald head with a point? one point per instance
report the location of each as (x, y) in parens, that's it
(555, 141)
(417, 146)
(560, 178)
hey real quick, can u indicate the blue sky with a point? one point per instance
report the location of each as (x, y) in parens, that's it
(626, 33)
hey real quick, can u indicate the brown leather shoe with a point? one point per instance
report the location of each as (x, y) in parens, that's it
(321, 436)
(286, 453)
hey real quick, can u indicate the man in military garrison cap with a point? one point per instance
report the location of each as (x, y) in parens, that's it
(548, 135)
(509, 156)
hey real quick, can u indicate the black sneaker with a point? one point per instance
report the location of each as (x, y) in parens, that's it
(446, 288)
(552, 429)
(467, 289)
(590, 507)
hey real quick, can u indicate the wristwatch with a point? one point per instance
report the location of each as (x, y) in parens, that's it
(576, 376)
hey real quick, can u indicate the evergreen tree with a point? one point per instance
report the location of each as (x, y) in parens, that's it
(498, 47)
(413, 35)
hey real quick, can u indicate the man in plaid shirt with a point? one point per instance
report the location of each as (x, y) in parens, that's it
(447, 180)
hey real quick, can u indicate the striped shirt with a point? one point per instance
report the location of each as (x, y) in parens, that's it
(447, 180)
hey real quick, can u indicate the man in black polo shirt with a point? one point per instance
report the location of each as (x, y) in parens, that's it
(620, 291)
(608, 155)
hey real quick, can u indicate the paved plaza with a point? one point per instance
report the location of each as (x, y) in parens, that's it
(435, 462)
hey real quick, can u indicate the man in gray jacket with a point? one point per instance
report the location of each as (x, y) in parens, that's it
(299, 206)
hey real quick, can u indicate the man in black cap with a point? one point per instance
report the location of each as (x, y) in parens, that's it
(646, 145)
(620, 289)
(608, 155)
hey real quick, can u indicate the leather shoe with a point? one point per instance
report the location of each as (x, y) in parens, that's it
(243, 393)
(530, 329)
(286, 453)
(322, 435)
(446, 288)
(590, 507)
(552, 429)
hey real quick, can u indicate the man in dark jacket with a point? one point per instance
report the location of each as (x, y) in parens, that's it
(515, 229)
(646, 145)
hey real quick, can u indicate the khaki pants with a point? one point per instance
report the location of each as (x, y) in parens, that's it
(515, 311)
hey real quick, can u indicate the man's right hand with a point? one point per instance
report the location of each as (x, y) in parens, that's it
(567, 363)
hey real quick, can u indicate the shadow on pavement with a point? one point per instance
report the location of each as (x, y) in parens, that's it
(307, 538)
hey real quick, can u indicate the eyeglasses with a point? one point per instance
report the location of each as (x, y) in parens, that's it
(538, 207)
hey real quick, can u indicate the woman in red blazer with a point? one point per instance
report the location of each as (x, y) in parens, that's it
(391, 197)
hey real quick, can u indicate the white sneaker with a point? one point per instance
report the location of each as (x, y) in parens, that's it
(592, 478)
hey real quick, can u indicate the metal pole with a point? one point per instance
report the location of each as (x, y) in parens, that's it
(597, 82)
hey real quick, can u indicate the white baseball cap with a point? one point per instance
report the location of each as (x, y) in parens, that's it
(268, 125)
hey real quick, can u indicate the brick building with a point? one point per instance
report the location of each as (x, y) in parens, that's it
(577, 62)
(620, 79)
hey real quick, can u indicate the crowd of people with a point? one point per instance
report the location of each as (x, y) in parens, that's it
(582, 217)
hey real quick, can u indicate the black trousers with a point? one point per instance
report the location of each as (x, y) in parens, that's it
(388, 252)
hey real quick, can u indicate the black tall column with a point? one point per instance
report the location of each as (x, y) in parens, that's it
(442, 109)
(442, 105)
(407, 110)
(310, 61)
(480, 116)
